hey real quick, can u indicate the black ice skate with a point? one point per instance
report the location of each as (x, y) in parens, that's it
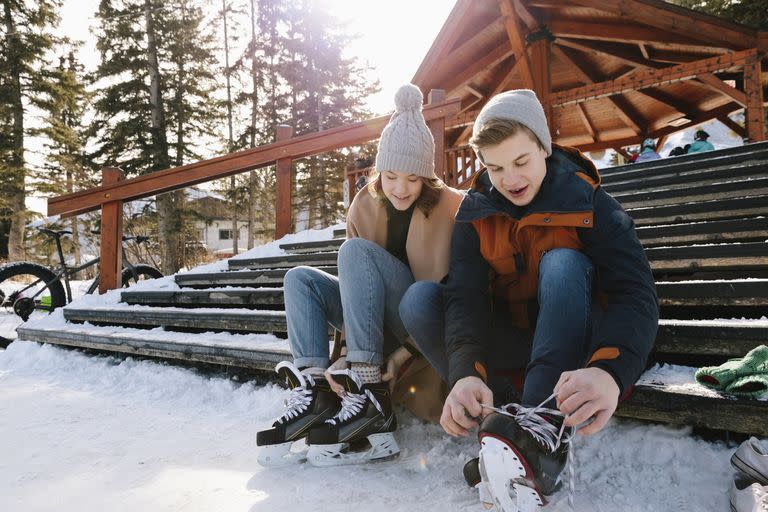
(361, 431)
(310, 403)
(522, 453)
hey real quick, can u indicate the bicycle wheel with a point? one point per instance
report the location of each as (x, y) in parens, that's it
(143, 272)
(23, 289)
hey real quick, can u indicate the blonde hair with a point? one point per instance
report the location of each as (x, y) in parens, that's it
(428, 198)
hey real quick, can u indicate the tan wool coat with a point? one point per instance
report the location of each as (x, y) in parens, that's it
(428, 246)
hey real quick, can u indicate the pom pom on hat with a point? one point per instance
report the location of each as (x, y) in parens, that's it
(406, 144)
(408, 97)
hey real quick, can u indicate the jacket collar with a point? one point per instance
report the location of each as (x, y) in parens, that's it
(568, 187)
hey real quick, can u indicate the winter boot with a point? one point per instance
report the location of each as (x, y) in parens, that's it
(522, 453)
(310, 403)
(361, 431)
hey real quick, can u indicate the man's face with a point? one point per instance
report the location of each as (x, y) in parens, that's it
(516, 167)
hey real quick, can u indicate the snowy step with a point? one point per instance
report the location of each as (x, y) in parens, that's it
(735, 230)
(695, 177)
(339, 233)
(254, 351)
(285, 261)
(721, 257)
(669, 404)
(752, 292)
(316, 246)
(717, 209)
(722, 338)
(217, 298)
(213, 319)
(720, 157)
(724, 190)
(250, 278)
(675, 399)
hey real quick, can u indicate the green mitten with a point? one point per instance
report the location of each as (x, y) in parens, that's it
(719, 377)
(751, 386)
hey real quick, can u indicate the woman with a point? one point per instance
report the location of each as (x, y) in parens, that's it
(399, 231)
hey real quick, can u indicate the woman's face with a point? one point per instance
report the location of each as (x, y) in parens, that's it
(516, 167)
(401, 189)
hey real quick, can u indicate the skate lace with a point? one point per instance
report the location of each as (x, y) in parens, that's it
(298, 401)
(545, 433)
(352, 404)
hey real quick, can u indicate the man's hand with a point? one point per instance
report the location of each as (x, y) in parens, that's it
(394, 362)
(464, 404)
(582, 394)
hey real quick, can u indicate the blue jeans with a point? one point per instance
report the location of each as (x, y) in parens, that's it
(559, 343)
(364, 298)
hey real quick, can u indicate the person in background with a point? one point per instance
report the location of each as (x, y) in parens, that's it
(677, 151)
(647, 151)
(700, 143)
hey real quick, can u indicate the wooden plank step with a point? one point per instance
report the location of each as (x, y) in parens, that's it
(717, 209)
(726, 190)
(724, 338)
(753, 151)
(260, 352)
(284, 261)
(678, 406)
(752, 292)
(316, 246)
(699, 177)
(723, 257)
(339, 233)
(217, 298)
(250, 278)
(735, 230)
(178, 318)
(652, 399)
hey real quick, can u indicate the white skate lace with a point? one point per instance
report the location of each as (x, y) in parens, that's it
(298, 401)
(352, 404)
(545, 433)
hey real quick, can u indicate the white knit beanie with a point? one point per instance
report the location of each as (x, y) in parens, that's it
(519, 105)
(406, 144)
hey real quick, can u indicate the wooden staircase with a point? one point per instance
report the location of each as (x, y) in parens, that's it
(703, 220)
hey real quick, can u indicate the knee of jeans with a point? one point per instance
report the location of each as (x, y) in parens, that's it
(352, 250)
(410, 302)
(562, 265)
(297, 276)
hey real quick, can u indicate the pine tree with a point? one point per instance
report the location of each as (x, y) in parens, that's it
(153, 98)
(26, 36)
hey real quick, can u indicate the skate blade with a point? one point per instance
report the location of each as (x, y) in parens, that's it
(383, 447)
(508, 482)
(279, 455)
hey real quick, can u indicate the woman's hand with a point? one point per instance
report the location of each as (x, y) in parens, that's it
(394, 362)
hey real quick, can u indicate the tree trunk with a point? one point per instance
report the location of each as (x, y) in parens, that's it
(169, 215)
(254, 113)
(16, 190)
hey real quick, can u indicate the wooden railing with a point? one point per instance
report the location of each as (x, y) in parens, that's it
(461, 165)
(115, 190)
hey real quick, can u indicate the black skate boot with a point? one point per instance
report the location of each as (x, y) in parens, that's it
(361, 431)
(522, 454)
(310, 403)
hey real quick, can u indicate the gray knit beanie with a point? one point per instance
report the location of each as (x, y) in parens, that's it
(519, 105)
(406, 144)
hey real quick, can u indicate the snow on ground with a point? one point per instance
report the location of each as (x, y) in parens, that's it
(90, 433)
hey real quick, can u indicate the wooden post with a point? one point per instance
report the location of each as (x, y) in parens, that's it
(111, 262)
(542, 82)
(755, 113)
(284, 187)
(437, 127)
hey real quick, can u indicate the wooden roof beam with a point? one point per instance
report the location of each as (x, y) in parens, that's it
(653, 77)
(516, 35)
(677, 104)
(469, 74)
(677, 20)
(733, 125)
(588, 124)
(714, 83)
(444, 41)
(625, 55)
(701, 118)
(615, 32)
(623, 109)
